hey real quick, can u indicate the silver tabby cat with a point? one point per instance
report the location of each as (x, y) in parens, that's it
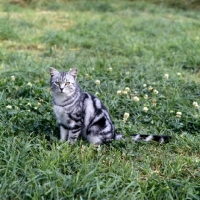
(81, 114)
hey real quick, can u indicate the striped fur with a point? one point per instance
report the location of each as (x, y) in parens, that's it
(81, 114)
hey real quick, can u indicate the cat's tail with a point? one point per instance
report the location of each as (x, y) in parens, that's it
(146, 138)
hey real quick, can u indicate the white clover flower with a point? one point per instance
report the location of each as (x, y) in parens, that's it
(96, 93)
(127, 89)
(97, 82)
(195, 104)
(136, 99)
(178, 74)
(9, 107)
(145, 109)
(150, 88)
(146, 96)
(124, 92)
(178, 114)
(166, 76)
(39, 104)
(144, 85)
(12, 78)
(29, 84)
(35, 108)
(126, 115)
(127, 73)
(110, 69)
(155, 91)
(119, 92)
(87, 76)
(28, 104)
(154, 102)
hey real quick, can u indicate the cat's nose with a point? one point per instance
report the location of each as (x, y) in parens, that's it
(61, 89)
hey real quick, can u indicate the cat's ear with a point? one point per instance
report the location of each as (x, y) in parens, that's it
(73, 72)
(53, 71)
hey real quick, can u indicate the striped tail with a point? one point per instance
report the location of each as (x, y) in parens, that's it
(146, 138)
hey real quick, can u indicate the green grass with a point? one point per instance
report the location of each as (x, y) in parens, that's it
(140, 42)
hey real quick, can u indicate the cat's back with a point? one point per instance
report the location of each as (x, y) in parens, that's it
(92, 102)
(93, 107)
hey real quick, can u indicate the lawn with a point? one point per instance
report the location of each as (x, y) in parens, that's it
(147, 59)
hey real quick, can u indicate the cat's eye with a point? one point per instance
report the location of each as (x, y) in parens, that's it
(57, 83)
(67, 83)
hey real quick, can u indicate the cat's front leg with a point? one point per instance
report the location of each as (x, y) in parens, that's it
(63, 134)
(73, 136)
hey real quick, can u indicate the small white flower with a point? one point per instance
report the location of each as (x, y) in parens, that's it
(178, 74)
(144, 85)
(127, 73)
(154, 102)
(178, 114)
(145, 109)
(150, 88)
(13, 78)
(97, 82)
(119, 92)
(166, 76)
(146, 96)
(39, 104)
(96, 93)
(155, 91)
(110, 69)
(87, 76)
(127, 89)
(9, 107)
(136, 99)
(195, 104)
(126, 115)
(35, 108)
(124, 92)
(29, 84)
(28, 104)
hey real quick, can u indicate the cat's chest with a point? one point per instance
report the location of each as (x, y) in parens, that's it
(61, 114)
(68, 117)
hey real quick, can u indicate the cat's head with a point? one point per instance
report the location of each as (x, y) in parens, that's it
(63, 83)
